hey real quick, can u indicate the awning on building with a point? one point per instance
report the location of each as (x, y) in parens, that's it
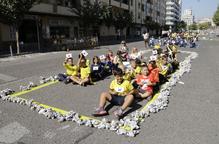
(49, 9)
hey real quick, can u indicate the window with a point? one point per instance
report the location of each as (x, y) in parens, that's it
(142, 7)
(139, 15)
(12, 33)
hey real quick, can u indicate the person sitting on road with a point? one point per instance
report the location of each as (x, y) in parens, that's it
(120, 93)
(81, 56)
(97, 69)
(165, 69)
(127, 72)
(124, 51)
(110, 56)
(143, 83)
(84, 72)
(135, 54)
(71, 74)
(154, 75)
(136, 69)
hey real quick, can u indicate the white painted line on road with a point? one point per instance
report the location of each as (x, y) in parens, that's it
(7, 77)
(12, 133)
(64, 127)
(180, 82)
(49, 134)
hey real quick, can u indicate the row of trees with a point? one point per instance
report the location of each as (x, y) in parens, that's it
(92, 15)
(201, 26)
(95, 14)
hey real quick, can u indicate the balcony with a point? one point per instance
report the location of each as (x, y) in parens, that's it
(170, 23)
(124, 4)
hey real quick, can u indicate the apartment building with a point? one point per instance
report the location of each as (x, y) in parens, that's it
(48, 19)
(188, 17)
(52, 19)
(173, 12)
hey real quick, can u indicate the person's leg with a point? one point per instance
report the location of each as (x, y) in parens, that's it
(104, 97)
(145, 95)
(62, 77)
(75, 79)
(127, 102)
(100, 111)
(83, 81)
(145, 43)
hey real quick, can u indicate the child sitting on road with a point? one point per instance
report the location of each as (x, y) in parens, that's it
(120, 93)
(143, 83)
(110, 56)
(81, 56)
(71, 72)
(136, 69)
(165, 69)
(84, 72)
(97, 69)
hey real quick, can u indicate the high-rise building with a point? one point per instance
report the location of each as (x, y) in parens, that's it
(173, 12)
(188, 17)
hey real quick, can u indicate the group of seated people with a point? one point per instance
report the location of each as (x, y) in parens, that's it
(133, 77)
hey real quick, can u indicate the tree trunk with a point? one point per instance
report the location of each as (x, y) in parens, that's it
(17, 41)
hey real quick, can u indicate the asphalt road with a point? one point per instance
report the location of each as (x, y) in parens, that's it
(191, 118)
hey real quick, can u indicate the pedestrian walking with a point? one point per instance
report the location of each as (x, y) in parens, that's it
(146, 38)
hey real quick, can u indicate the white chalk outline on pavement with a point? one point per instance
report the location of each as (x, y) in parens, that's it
(133, 123)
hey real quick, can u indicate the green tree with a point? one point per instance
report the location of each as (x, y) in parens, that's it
(216, 17)
(204, 26)
(89, 14)
(150, 24)
(123, 20)
(193, 27)
(181, 25)
(12, 12)
(108, 17)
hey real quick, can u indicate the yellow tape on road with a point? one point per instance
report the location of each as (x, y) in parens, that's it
(64, 112)
(150, 102)
(34, 88)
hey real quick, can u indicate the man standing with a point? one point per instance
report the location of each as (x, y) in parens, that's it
(146, 37)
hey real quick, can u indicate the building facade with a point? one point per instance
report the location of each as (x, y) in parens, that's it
(173, 12)
(188, 17)
(54, 19)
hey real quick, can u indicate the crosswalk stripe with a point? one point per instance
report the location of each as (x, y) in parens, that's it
(7, 77)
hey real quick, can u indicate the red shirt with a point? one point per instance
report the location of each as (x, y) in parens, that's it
(154, 74)
(143, 80)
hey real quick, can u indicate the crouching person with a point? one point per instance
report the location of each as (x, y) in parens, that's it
(142, 84)
(71, 72)
(120, 93)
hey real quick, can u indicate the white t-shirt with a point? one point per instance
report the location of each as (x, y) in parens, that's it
(146, 35)
(135, 55)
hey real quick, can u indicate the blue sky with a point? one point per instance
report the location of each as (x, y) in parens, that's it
(201, 8)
